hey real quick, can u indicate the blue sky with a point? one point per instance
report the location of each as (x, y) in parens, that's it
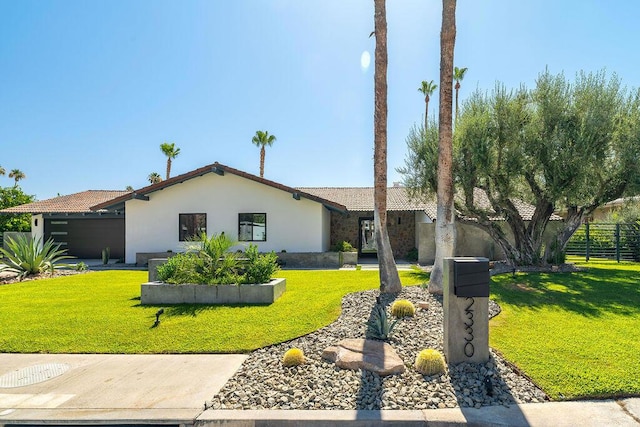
(90, 89)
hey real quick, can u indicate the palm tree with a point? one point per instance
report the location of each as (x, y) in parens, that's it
(445, 214)
(17, 175)
(262, 139)
(427, 89)
(458, 75)
(129, 188)
(154, 178)
(2, 171)
(389, 279)
(171, 152)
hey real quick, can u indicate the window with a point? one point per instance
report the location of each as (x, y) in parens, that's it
(252, 227)
(191, 225)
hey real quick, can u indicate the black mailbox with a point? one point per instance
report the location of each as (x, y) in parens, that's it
(471, 278)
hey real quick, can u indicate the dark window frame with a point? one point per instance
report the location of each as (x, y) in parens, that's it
(184, 236)
(253, 221)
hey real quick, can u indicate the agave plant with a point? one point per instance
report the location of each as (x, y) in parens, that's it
(29, 256)
(379, 327)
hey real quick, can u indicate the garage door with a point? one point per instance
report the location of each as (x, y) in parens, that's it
(87, 237)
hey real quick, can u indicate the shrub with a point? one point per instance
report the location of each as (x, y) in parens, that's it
(211, 261)
(403, 308)
(343, 246)
(259, 268)
(29, 256)
(106, 254)
(378, 326)
(293, 357)
(412, 255)
(430, 362)
(556, 255)
(81, 266)
(183, 268)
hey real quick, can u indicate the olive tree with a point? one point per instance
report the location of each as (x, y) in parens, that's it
(561, 147)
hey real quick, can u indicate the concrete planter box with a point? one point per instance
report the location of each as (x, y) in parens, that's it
(158, 293)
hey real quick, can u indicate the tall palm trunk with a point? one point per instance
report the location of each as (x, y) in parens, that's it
(389, 279)
(168, 167)
(426, 112)
(262, 156)
(457, 90)
(445, 217)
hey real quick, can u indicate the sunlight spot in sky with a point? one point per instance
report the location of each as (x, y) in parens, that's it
(365, 60)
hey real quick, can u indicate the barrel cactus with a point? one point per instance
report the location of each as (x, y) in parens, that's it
(430, 362)
(403, 308)
(293, 357)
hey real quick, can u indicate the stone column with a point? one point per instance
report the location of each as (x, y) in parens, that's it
(466, 318)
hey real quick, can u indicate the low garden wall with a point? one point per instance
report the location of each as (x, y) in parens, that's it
(317, 259)
(142, 258)
(158, 293)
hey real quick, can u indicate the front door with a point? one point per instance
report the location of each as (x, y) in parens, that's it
(367, 238)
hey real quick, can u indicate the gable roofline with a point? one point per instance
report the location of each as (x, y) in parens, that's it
(219, 169)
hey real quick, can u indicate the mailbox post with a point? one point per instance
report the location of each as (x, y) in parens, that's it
(466, 309)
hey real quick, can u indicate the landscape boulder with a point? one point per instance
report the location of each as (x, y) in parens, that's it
(374, 356)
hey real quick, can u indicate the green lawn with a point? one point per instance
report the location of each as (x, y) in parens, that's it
(576, 335)
(100, 312)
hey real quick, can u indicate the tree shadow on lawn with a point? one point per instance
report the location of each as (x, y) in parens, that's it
(420, 275)
(589, 293)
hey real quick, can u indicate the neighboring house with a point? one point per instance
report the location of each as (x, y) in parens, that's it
(217, 198)
(69, 221)
(603, 213)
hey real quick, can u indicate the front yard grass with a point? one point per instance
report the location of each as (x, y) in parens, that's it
(100, 312)
(577, 335)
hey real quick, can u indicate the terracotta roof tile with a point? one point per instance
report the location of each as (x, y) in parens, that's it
(361, 198)
(72, 203)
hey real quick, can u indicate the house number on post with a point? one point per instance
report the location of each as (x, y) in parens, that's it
(469, 350)
(466, 310)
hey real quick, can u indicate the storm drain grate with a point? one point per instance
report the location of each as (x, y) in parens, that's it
(33, 375)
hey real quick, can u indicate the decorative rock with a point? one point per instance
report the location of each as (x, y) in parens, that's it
(374, 356)
(423, 305)
(325, 386)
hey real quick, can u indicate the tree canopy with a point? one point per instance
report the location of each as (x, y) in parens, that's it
(561, 146)
(10, 197)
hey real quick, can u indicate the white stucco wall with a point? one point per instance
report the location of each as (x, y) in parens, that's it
(421, 218)
(293, 225)
(37, 227)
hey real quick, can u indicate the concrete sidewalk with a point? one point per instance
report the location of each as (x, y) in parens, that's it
(41, 389)
(110, 389)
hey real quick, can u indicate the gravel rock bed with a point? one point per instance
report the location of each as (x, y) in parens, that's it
(7, 278)
(263, 383)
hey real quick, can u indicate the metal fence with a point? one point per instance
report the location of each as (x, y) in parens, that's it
(611, 241)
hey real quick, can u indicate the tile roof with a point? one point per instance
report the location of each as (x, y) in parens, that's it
(72, 203)
(361, 198)
(398, 199)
